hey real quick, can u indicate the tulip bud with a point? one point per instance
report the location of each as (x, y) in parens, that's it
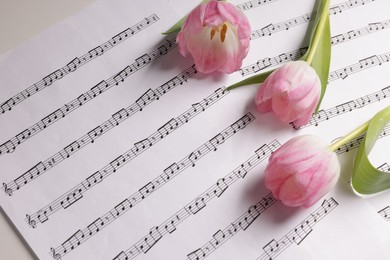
(292, 92)
(217, 35)
(301, 171)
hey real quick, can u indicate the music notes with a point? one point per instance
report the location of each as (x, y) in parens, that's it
(384, 167)
(271, 62)
(240, 224)
(117, 118)
(374, 60)
(300, 232)
(103, 86)
(385, 213)
(76, 193)
(253, 4)
(355, 143)
(287, 24)
(170, 225)
(369, 29)
(168, 174)
(77, 63)
(337, 39)
(349, 106)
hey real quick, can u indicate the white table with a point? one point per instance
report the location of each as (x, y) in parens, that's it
(19, 21)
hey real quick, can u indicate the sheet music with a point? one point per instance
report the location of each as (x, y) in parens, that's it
(113, 146)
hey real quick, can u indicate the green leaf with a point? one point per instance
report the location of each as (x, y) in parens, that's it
(316, 21)
(366, 179)
(319, 51)
(321, 59)
(256, 79)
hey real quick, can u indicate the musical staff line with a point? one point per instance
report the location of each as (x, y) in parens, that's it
(117, 118)
(271, 62)
(384, 167)
(168, 174)
(199, 203)
(253, 4)
(298, 234)
(296, 54)
(76, 193)
(287, 24)
(77, 63)
(346, 107)
(10, 145)
(355, 143)
(241, 223)
(385, 213)
(363, 31)
(363, 64)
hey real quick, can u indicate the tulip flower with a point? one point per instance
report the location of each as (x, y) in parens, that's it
(305, 168)
(301, 171)
(295, 90)
(217, 35)
(292, 92)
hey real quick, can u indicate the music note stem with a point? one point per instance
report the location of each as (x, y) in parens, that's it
(384, 115)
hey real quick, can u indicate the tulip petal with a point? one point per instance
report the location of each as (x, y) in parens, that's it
(265, 106)
(298, 150)
(291, 92)
(301, 171)
(291, 194)
(322, 183)
(217, 36)
(276, 176)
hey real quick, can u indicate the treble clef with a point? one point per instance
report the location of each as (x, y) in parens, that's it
(55, 255)
(31, 222)
(7, 190)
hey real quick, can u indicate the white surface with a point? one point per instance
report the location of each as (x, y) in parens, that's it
(19, 21)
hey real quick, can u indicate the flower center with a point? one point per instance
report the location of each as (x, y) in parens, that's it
(221, 30)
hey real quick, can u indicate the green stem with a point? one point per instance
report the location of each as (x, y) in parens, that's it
(256, 79)
(355, 133)
(385, 113)
(318, 32)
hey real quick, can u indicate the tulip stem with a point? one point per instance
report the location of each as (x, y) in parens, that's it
(384, 113)
(347, 138)
(318, 32)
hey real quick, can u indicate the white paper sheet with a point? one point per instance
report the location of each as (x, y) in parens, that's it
(149, 159)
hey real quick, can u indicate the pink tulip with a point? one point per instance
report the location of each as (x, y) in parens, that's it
(292, 92)
(216, 34)
(301, 171)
